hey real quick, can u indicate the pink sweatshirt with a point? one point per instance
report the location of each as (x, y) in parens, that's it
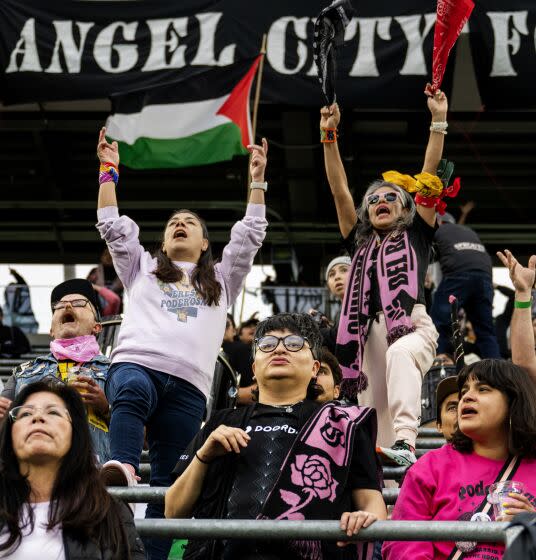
(448, 485)
(168, 327)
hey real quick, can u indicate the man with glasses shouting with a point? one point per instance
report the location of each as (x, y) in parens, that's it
(75, 358)
(284, 457)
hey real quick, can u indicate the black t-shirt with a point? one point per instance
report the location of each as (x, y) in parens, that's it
(272, 431)
(460, 250)
(421, 236)
(240, 358)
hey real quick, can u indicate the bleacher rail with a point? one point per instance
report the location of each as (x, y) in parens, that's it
(450, 531)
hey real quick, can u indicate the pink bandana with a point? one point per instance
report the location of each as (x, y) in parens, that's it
(79, 349)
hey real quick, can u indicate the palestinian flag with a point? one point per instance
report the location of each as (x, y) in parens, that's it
(202, 119)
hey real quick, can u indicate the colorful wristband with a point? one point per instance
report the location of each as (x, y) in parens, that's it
(522, 304)
(108, 173)
(328, 135)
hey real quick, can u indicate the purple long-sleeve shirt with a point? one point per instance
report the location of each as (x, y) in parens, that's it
(168, 327)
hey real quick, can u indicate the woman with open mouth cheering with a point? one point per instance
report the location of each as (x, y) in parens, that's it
(386, 341)
(163, 364)
(487, 472)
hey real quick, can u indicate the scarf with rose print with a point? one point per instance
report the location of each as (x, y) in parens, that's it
(313, 475)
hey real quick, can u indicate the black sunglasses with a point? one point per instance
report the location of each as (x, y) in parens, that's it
(388, 197)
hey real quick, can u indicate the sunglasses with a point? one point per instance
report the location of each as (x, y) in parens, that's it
(387, 197)
(292, 342)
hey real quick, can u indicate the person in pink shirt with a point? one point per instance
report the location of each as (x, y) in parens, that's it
(496, 422)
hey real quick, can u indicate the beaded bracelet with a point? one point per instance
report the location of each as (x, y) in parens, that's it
(440, 127)
(328, 135)
(108, 173)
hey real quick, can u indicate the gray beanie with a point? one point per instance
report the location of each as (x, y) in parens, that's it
(337, 260)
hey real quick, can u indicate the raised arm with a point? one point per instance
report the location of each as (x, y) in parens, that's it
(107, 153)
(521, 331)
(257, 167)
(338, 183)
(465, 210)
(248, 234)
(120, 232)
(438, 106)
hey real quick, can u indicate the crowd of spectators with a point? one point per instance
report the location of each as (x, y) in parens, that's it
(322, 402)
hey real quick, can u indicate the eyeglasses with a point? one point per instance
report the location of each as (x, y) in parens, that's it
(388, 197)
(28, 412)
(292, 342)
(57, 305)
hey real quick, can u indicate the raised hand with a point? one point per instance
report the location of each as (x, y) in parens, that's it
(258, 160)
(437, 104)
(330, 117)
(467, 207)
(522, 277)
(221, 441)
(105, 150)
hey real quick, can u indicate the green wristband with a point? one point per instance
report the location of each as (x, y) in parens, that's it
(522, 304)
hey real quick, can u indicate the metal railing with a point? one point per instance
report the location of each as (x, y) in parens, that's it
(155, 494)
(389, 473)
(324, 530)
(450, 531)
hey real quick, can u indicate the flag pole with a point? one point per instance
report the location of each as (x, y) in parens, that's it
(256, 100)
(258, 86)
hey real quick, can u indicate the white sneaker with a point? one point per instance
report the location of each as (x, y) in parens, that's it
(400, 454)
(114, 473)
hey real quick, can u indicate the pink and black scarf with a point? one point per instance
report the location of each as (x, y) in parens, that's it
(314, 473)
(397, 276)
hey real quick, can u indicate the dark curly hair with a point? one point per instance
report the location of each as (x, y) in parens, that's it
(515, 383)
(297, 323)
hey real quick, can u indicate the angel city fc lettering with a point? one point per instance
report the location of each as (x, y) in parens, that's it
(182, 299)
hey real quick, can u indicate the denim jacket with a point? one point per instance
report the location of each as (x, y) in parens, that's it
(47, 366)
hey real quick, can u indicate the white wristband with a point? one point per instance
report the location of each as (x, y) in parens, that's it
(439, 127)
(262, 186)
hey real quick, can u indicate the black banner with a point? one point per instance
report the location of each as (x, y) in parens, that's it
(71, 50)
(503, 41)
(54, 50)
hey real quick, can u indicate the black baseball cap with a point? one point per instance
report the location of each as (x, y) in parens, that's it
(445, 388)
(75, 286)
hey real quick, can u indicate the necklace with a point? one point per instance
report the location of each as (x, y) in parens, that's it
(286, 407)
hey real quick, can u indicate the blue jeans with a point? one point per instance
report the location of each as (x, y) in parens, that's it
(474, 292)
(170, 408)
